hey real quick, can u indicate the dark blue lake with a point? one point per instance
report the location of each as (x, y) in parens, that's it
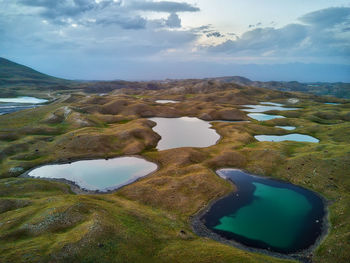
(267, 214)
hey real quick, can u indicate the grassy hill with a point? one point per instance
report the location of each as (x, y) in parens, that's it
(19, 80)
(12, 73)
(150, 220)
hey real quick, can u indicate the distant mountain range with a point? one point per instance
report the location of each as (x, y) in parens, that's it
(338, 89)
(17, 75)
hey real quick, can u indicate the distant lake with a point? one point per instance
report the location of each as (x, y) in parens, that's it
(8, 105)
(27, 100)
(296, 137)
(184, 132)
(266, 214)
(263, 108)
(271, 103)
(264, 117)
(332, 103)
(288, 128)
(102, 175)
(166, 101)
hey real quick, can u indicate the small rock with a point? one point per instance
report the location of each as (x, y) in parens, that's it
(17, 169)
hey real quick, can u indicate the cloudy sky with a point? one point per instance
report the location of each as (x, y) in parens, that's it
(305, 40)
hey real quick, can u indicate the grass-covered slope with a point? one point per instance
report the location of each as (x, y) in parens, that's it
(12, 73)
(149, 220)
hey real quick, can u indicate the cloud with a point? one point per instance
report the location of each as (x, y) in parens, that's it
(107, 37)
(322, 33)
(215, 34)
(328, 17)
(163, 6)
(173, 21)
(262, 39)
(124, 22)
(66, 8)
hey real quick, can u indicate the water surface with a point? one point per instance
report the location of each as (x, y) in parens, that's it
(184, 132)
(271, 103)
(102, 175)
(288, 128)
(27, 100)
(266, 214)
(8, 105)
(296, 137)
(264, 117)
(263, 108)
(166, 101)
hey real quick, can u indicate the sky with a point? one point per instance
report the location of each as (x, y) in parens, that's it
(303, 40)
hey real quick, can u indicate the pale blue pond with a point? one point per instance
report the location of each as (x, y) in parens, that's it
(332, 103)
(264, 117)
(27, 100)
(184, 132)
(8, 105)
(263, 108)
(296, 137)
(102, 175)
(271, 103)
(166, 101)
(288, 128)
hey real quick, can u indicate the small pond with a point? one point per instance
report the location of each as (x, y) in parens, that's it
(288, 128)
(296, 137)
(332, 103)
(184, 132)
(98, 175)
(264, 117)
(263, 108)
(27, 100)
(8, 105)
(271, 103)
(264, 214)
(166, 101)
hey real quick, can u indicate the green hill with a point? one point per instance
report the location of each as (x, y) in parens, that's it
(13, 74)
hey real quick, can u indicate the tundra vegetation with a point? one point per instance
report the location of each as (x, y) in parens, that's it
(149, 220)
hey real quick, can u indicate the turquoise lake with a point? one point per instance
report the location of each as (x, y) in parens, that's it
(296, 137)
(101, 175)
(263, 108)
(266, 214)
(264, 117)
(288, 128)
(184, 132)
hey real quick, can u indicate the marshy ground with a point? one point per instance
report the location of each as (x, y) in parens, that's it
(149, 220)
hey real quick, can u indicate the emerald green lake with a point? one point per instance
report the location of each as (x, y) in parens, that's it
(266, 214)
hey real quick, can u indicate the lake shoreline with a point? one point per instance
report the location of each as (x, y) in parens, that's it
(75, 188)
(304, 256)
